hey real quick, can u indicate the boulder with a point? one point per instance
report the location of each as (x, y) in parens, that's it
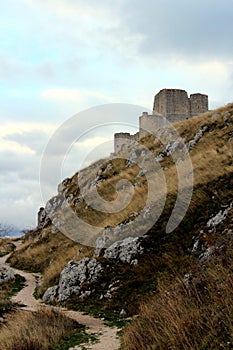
(127, 251)
(50, 295)
(6, 274)
(43, 219)
(73, 277)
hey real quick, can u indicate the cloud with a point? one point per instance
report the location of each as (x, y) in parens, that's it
(191, 29)
(14, 146)
(59, 57)
(33, 140)
(66, 94)
(21, 146)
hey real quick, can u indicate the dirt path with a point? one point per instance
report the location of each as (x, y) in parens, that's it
(108, 339)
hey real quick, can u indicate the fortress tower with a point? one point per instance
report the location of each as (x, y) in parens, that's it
(173, 104)
(198, 104)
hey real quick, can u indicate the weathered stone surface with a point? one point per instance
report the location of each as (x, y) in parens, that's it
(43, 219)
(219, 217)
(197, 137)
(61, 187)
(127, 250)
(54, 204)
(6, 274)
(50, 295)
(100, 244)
(72, 279)
(123, 313)
(203, 248)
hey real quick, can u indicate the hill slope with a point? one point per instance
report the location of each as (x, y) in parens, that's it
(127, 273)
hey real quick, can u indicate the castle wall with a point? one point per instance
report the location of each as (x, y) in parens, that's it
(198, 104)
(149, 123)
(122, 140)
(173, 104)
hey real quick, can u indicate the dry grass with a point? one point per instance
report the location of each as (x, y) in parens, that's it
(37, 254)
(6, 246)
(52, 271)
(196, 315)
(211, 158)
(48, 252)
(34, 331)
(48, 255)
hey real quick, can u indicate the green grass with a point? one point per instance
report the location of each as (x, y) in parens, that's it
(7, 290)
(16, 286)
(75, 338)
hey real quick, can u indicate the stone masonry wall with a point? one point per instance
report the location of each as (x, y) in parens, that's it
(173, 104)
(122, 140)
(148, 123)
(198, 104)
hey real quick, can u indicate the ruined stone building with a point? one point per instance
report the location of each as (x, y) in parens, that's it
(173, 104)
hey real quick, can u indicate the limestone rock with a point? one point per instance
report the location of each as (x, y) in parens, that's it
(43, 219)
(219, 217)
(123, 313)
(6, 274)
(197, 137)
(72, 279)
(61, 187)
(127, 250)
(50, 295)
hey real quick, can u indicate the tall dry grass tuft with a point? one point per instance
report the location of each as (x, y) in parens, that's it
(39, 330)
(195, 313)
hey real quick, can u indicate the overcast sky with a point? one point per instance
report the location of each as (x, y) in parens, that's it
(60, 57)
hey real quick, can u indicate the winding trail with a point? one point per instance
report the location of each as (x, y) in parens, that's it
(107, 336)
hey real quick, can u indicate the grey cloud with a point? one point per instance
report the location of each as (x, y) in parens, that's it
(35, 139)
(24, 166)
(195, 29)
(20, 199)
(95, 120)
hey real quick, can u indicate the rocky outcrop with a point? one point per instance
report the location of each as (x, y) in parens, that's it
(6, 248)
(43, 219)
(127, 251)
(197, 137)
(204, 247)
(6, 274)
(75, 279)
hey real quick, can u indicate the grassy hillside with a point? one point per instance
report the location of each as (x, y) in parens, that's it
(182, 317)
(166, 256)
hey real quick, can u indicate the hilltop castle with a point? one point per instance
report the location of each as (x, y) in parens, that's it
(173, 104)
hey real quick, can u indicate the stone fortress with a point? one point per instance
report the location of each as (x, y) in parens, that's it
(173, 104)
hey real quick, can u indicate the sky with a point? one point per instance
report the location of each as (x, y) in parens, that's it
(59, 58)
